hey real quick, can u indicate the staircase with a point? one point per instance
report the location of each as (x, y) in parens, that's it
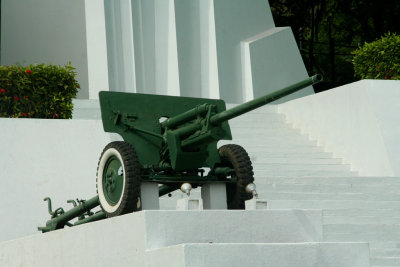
(292, 172)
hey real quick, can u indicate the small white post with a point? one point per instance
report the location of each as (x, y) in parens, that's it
(214, 196)
(149, 196)
(256, 204)
(188, 203)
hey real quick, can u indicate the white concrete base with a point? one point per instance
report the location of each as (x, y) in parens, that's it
(196, 238)
(214, 196)
(255, 204)
(276, 255)
(149, 196)
(189, 204)
(356, 122)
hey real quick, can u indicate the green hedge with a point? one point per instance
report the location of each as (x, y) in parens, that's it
(379, 59)
(37, 91)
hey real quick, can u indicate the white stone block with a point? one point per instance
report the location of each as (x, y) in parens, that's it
(375, 151)
(189, 204)
(259, 76)
(276, 255)
(214, 196)
(256, 204)
(149, 196)
(196, 238)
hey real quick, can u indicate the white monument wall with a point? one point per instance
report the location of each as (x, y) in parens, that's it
(359, 122)
(227, 49)
(57, 32)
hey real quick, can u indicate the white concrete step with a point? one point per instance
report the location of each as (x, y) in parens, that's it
(384, 253)
(361, 232)
(322, 188)
(349, 213)
(265, 149)
(395, 252)
(385, 261)
(264, 186)
(332, 204)
(300, 173)
(277, 255)
(327, 196)
(265, 138)
(385, 245)
(268, 128)
(300, 167)
(329, 180)
(260, 119)
(295, 160)
(188, 238)
(264, 109)
(264, 152)
(354, 208)
(361, 220)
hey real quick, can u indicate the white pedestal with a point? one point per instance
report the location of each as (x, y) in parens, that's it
(256, 204)
(279, 238)
(189, 204)
(149, 196)
(214, 196)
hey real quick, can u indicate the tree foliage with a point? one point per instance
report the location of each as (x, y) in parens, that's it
(37, 91)
(327, 31)
(379, 59)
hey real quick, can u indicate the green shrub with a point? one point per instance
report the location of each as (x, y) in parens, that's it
(37, 91)
(379, 59)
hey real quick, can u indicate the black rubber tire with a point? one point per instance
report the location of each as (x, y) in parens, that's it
(236, 157)
(130, 197)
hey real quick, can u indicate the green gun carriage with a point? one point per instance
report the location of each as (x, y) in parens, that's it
(168, 140)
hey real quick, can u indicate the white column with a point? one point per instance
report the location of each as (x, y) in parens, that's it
(166, 54)
(120, 47)
(96, 48)
(247, 79)
(209, 66)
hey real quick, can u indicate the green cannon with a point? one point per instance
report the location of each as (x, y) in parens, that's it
(168, 140)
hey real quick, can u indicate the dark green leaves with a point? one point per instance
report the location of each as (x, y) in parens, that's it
(379, 59)
(37, 91)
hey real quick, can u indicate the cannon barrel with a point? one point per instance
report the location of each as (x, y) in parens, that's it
(261, 101)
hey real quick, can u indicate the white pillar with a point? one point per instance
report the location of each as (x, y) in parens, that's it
(120, 45)
(166, 51)
(96, 48)
(149, 196)
(214, 196)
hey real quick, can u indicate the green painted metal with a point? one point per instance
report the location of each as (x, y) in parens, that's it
(261, 101)
(174, 138)
(187, 137)
(184, 141)
(113, 180)
(59, 218)
(95, 217)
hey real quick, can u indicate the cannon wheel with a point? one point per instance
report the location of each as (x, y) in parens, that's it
(118, 179)
(237, 158)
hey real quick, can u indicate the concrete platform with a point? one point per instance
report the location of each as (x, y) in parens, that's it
(259, 255)
(189, 238)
